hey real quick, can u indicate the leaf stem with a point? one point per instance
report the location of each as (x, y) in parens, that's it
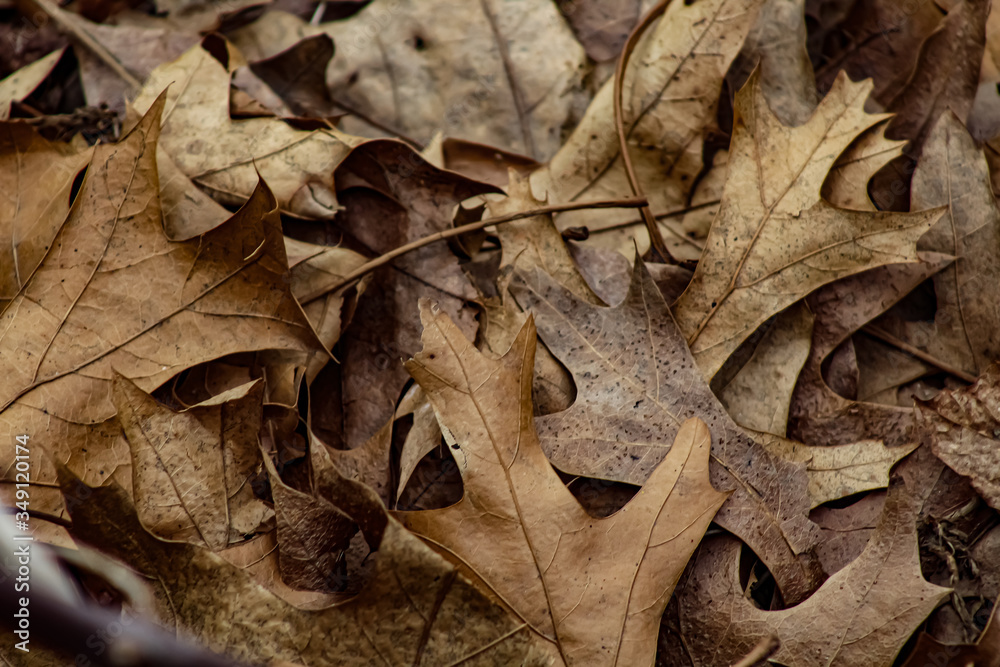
(886, 337)
(764, 649)
(382, 260)
(659, 245)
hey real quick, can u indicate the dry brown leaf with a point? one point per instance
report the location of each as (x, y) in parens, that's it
(191, 469)
(534, 242)
(36, 178)
(946, 75)
(985, 652)
(962, 426)
(881, 40)
(846, 530)
(777, 45)
(312, 536)
(113, 294)
(636, 384)
(775, 365)
(481, 59)
(23, 82)
(775, 239)
(847, 184)
(409, 199)
(966, 328)
(225, 156)
(818, 416)
(602, 26)
(883, 370)
(416, 607)
(862, 615)
(839, 471)
(595, 587)
(669, 102)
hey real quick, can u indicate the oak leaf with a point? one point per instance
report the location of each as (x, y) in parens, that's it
(113, 294)
(636, 384)
(594, 587)
(481, 59)
(775, 239)
(191, 469)
(863, 614)
(669, 105)
(226, 156)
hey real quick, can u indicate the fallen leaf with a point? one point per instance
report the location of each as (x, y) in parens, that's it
(636, 384)
(847, 184)
(775, 364)
(602, 27)
(962, 427)
(113, 294)
(595, 587)
(946, 75)
(312, 536)
(481, 59)
(966, 328)
(839, 471)
(846, 530)
(225, 156)
(413, 200)
(775, 239)
(436, 614)
(36, 178)
(881, 40)
(669, 103)
(863, 614)
(179, 458)
(985, 652)
(819, 416)
(23, 82)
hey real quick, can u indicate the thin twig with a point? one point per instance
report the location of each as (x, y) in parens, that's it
(382, 260)
(764, 649)
(887, 337)
(88, 41)
(659, 245)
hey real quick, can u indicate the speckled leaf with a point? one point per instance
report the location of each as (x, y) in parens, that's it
(636, 384)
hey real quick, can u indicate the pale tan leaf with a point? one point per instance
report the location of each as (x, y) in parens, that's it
(36, 178)
(225, 156)
(670, 98)
(775, 239)
(775, 365)
(839, 471)
(597, 587)
(481, 59)
(847, 184)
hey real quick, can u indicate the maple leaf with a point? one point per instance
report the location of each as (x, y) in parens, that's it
(863, 614)
(636, 384)
(595, 587)
(775, 239)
